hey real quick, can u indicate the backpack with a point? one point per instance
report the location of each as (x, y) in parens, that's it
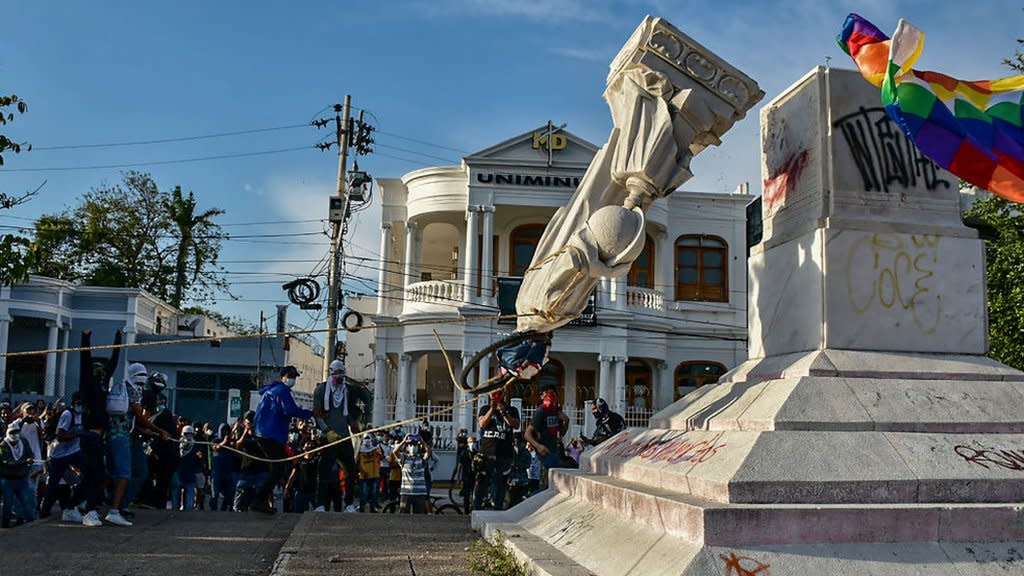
(117, 398)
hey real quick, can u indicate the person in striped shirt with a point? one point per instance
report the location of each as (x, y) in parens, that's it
(412, 454)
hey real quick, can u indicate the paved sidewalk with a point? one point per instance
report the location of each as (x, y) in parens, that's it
(377, 544)
(162, 543)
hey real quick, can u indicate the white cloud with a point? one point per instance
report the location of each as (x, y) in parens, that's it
(587, 54)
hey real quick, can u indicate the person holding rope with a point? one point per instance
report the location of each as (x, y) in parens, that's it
(273, 416)
(93, 381)
(337, 413)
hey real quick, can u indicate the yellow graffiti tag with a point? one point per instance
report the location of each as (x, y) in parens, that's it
(900, 276)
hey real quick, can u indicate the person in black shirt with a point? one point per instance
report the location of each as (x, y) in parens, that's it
(164, 454)
(546, 428)
(94, 377)
(608, 423)
(498, 421)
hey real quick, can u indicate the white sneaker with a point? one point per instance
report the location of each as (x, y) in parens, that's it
(92, 519)
(319, 509)
(71, 515)
(351, 508)
(114, 517)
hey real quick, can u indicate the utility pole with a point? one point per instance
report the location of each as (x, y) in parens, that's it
(342, 133)
(259, 355)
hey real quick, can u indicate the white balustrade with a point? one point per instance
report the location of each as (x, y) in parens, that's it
(435, 292)
(645, 298)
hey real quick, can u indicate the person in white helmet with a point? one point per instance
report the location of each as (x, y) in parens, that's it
(338, 414)
(15, 462)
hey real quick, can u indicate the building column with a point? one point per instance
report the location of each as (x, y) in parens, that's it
(471, 252)
(405, 399)
(5, 329)
(619, 371)
(481, 400)
(62, 378)
(385, 263)
(486, 274)
(618, 292)
(129, 339)
(410, 253)
(604, 379)
(664, 266)
(380, 381)
(662, 385)
(465, 414)
(50, 382)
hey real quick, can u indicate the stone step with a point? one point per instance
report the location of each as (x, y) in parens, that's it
(817, 467)
(702, 522)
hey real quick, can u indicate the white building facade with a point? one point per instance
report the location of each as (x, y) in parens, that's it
(451, 235)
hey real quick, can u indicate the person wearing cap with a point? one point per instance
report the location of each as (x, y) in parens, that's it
(338, 414)
(273, 416)
(189, 464)
(607, 423)
(15, 462)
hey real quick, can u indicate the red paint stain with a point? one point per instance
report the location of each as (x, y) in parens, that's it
(673, 449)
(779, 184)
(743, 565)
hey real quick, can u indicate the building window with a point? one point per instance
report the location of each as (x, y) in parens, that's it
(638, 385)
(641, 274)
(523, 243)
(701, 272)
(586, 387)
(694, 374)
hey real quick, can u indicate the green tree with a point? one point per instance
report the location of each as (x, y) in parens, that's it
(134, 235)
(1004, 269)
(198, 241)
(16, 254)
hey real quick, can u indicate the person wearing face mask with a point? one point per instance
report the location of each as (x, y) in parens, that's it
(15, 462)
(164, 454)
(497, 421)
(546, 428)
(412, 455)
(336, 408)
(607, 423)
(64, 454)
(190, 463)
(468, 458)
(274, 413)
(224, 475)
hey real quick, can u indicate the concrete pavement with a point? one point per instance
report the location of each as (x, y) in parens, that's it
(164, 543)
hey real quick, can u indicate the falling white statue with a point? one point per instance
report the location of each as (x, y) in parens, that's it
(669, 98)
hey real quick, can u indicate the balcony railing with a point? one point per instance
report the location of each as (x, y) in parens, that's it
(445, 292)
(645, 298)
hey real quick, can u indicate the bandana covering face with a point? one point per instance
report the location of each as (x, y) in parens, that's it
(336, 394)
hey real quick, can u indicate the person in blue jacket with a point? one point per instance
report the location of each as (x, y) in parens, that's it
(273, 417)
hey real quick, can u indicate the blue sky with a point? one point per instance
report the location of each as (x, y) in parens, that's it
(460, 74)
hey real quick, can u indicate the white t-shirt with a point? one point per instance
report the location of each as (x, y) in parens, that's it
(31, 434)
(68, 422)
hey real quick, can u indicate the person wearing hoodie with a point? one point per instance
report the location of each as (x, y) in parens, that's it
(189, 464)
(124, 409)
(337, 413)
(15, 462)
(94, 377)
(273, 416)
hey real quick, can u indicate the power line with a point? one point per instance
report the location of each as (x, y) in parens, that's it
(167, 140)
(158, 162)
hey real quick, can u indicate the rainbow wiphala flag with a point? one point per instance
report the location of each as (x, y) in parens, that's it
(971, 128)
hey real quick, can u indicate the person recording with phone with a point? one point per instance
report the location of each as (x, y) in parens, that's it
(412, 454)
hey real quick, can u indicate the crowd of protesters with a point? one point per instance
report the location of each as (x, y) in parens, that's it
(116, 445)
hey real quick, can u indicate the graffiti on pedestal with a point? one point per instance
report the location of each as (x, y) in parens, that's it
(671, 447)
(982, 456)
(896, 272)
(884, 155)
(743, 565)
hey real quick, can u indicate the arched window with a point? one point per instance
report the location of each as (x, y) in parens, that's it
(641, 274)
(552, 373)
(694, 374)
(702, 271)
(638, 384)
(522, 244)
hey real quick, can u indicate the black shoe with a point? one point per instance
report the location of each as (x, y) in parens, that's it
(260, 507)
